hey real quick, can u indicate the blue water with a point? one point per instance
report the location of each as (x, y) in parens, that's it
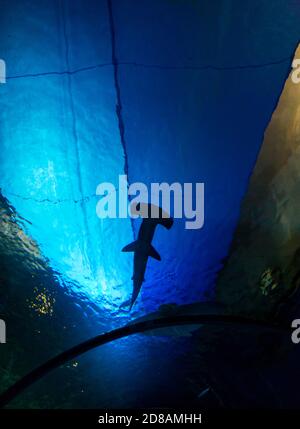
(199, 82)
(60, 135)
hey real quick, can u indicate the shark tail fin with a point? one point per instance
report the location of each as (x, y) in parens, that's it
(130, 247)
(154, 253)
(133, 299)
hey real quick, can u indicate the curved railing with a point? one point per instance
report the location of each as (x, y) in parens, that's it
(125, 331)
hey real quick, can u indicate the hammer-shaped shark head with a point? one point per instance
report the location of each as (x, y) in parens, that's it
(153, 212)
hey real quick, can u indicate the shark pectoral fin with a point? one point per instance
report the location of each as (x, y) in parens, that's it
(154, 254)
(130, 247)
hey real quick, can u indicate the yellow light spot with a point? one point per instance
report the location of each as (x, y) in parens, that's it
(42, 303)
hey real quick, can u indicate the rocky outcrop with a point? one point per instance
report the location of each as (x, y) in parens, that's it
(263, 267)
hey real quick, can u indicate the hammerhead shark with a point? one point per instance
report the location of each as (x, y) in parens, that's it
(142, 247)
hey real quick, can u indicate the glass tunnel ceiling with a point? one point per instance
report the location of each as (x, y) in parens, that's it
(198, 89)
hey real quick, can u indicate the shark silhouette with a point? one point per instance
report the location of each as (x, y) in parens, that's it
(152, 216)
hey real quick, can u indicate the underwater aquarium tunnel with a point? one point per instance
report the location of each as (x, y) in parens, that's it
(167, 91)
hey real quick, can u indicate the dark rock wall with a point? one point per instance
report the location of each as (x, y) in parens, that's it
(262, 270)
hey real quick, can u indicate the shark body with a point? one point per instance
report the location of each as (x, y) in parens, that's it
(143, 248)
